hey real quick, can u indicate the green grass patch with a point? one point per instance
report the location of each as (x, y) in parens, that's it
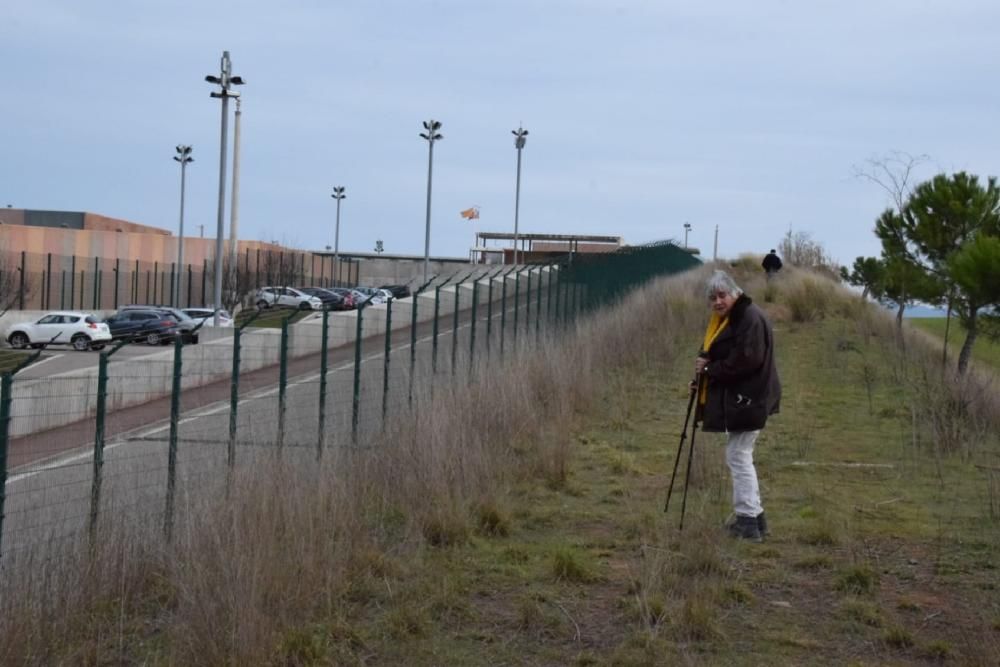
(11, 359)
(983, 349)
(270, 318)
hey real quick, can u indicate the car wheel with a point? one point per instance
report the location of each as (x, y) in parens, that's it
(305, 306)
(261, 305)
(97, 347)
(153, 338)
(18, 340)
(80, 343)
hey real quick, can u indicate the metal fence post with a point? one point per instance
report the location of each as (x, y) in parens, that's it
(472, 323)
(538, 307)
(72, 281)
(204, 280)
(24, 268)
(175, 410)
(102, 402)
(454, 327)
(559, 277)
(97, 281)
(503, 309)
(323, 355)
(356, 400)
(6, 398)
(156, 280)
(385, 366)
(527, 304)
(517, 299)
(189, 286)
(434, 334)
(118, 274)
(48, 285)
(413, 344)
(83, 275)
(283, 380)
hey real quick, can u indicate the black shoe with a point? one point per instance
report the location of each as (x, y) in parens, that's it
(745, 528)
(762, 525)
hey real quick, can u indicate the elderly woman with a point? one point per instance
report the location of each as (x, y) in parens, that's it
(738, 391)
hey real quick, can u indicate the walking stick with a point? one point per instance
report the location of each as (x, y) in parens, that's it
(680, 446)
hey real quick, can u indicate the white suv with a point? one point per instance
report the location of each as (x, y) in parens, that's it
(286, 296)
(81, 330)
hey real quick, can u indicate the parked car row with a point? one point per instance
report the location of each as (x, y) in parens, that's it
(153, 325)
(331, 298)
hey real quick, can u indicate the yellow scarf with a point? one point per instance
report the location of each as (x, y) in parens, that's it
(715, 326)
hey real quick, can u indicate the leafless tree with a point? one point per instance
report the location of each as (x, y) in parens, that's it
(12, 291)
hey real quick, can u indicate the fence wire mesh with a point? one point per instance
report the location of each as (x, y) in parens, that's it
(144, 434)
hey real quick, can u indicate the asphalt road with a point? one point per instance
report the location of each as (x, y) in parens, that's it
(59, 359)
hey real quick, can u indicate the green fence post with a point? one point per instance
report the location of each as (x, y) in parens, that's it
(413, 345)
(204, 280)
(97, 271)
(385, 367)
(517, 300)
(175, 287)
(62, 291)
(6, 399)
(189, 286)
(48, 285)
(283, 380)
(118, 275)
(156, 281)
(454, 326)
(503, 309)
(559, 284)
(175, 411)
(24, 270)
(72, 282)
(472, 323)
(323, 355)
(538, 307)
(356, 400)
(489, 313)
(102, 402)
(527, 304)
(434, 334)
(83, 275)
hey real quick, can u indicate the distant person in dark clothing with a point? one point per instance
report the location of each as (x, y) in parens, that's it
(771, 263)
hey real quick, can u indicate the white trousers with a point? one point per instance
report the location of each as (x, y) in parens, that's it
(739, 456)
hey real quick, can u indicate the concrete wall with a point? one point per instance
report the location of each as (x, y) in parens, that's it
(68, 397)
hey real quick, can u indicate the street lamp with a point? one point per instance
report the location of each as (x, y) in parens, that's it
(224, 81)
(520, 135)
(184, 157)
(431, 135)
(338, 194)
(687, 228)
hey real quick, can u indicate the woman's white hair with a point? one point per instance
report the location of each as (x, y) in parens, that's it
(720, 281)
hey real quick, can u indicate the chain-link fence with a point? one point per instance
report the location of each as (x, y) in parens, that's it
(143, 434)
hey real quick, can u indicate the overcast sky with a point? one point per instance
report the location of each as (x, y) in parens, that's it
(643, 115)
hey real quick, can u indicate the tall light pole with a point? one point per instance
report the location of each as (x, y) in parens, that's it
(184, 157)
(520, 135)
(234, 207)
(431, 135)
(338, 194)
(687, 228)
(224, 81)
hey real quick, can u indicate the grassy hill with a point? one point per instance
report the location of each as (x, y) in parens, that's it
(537, 535)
